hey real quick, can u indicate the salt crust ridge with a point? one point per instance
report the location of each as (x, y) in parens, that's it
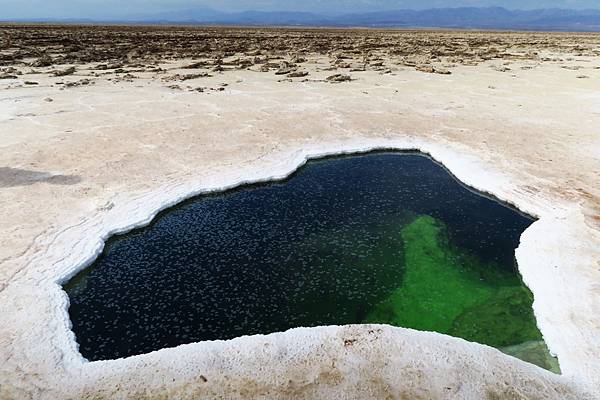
(535, 240)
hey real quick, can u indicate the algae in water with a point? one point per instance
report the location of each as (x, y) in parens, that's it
(447, 290)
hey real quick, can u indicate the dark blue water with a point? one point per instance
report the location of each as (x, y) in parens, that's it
(320, 248)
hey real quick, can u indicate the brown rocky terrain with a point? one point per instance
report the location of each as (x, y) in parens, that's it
(130, 49)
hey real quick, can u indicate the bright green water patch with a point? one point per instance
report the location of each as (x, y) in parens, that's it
(447, 290)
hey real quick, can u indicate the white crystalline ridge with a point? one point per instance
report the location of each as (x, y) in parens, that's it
(358, 361)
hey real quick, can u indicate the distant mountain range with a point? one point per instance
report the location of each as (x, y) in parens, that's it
(462, 17)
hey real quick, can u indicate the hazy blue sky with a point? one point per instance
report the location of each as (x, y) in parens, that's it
(125, 8)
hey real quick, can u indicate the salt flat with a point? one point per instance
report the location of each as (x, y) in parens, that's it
(108, 148)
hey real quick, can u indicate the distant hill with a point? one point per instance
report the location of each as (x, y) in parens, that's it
(208, 16)
(482, 18)
(460, 17)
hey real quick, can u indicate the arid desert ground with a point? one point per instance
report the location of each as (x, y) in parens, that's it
(101, 127)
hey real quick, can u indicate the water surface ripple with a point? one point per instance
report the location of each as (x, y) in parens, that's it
(380, 237)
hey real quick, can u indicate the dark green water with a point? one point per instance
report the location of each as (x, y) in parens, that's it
(383, 238)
